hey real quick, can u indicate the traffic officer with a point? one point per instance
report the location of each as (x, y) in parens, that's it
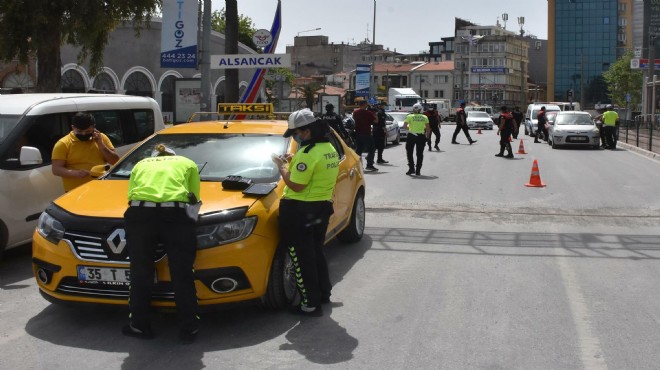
(461, 124)
(305, 208)
(418, 128)
(159, 191)
(610, 121)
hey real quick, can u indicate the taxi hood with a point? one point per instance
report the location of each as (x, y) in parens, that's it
(108, 199)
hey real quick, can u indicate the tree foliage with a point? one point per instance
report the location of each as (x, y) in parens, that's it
(40, 27)
(309, 94)
(246, 28)
(622, 80)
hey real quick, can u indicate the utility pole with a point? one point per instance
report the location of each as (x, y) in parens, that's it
(206, 59)
(651, 69)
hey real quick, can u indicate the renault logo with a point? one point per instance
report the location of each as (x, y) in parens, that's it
(117, 241)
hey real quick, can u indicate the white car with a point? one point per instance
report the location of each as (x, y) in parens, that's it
(393, 130)
(399, 117)
(31, 124)
(573, 128)
(479, 120)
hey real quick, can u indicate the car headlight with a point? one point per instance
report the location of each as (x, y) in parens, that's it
(209, 236)
(50, 228)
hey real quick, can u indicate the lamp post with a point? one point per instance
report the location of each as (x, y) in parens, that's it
(521, 23)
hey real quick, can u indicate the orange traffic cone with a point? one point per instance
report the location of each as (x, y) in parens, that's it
(535, 178)
(521, 148)
(479, 131)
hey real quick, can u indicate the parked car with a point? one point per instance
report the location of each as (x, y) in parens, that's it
(393, 130)
(399, 117)
(479, 120)
(573, 128)
(31, 124)
(79, 247)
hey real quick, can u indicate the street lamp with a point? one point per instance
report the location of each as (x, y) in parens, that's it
(315, 29)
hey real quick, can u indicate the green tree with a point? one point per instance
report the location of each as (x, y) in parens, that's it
(40, 27)
(309, 94)
(246, 28)
(622, 80)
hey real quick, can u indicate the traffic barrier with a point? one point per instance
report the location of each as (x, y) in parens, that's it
(521, 148)
(535, 178)
(478, 131)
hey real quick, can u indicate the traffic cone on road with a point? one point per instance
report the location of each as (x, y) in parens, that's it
(535, 178)
(521, 148)
(479, 131)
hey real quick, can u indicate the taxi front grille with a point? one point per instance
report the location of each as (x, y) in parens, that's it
(162, 291)
(110, 247)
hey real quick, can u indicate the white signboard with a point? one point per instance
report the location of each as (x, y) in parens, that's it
(250, 61)
(178, 38)
(262, 38)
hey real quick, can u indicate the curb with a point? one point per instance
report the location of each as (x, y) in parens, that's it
(643, 152)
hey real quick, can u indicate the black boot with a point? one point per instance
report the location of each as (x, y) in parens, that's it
(419, 167)
(411, 170)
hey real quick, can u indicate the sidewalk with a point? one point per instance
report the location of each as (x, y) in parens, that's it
(638, 150)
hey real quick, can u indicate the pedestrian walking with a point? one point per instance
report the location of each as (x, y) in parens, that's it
(364, 119)
(160, 190)
(310, 176)
(84, 147)
(418, 128)
(517, 117)
(610, 123)
(434, 124)
(461, 124)
(541, 122)
(506, 128)
(380, 132)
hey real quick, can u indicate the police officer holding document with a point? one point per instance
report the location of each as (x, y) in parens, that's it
(163, 193)
(305, 208)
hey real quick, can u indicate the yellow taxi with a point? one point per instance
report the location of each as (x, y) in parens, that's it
(80, 252)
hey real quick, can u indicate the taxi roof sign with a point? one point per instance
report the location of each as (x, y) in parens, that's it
(245, 108)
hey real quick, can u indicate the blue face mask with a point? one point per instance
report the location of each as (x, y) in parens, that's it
(296, 137)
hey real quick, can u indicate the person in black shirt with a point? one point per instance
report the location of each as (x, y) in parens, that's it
(461, 124)
(334, 120)
(540, 126)
(506, 127)
(434, 123)
(518, 117)
(380, 132)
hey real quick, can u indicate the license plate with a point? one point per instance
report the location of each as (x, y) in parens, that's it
(579, 139)
(104, 275)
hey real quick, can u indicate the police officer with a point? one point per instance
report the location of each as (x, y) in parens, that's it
(517, 117)
(418, 128)
(461, 124)
(506, 127)
(540, 125)
(380, 132)
(305, 208)
(334, 120)
(159, 191)
(434, 124)
(610, 121)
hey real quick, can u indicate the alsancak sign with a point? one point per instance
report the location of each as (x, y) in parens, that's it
(250, 61)
(178, 39)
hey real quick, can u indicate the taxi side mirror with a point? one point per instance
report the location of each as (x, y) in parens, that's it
(99, 170)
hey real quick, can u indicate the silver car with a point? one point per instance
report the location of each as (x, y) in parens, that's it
(571, 128)
(479, 120)
(399, 117)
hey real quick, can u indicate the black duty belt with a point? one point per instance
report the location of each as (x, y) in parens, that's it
(144, 203)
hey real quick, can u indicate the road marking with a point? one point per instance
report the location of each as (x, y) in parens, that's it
(591, 353)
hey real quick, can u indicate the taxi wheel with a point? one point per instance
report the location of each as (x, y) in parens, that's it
(281, 291)
(355, 229)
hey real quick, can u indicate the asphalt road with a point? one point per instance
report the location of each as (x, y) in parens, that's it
(461, 268)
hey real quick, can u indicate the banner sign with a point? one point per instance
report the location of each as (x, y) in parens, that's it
(488, 70)
(178, 37)
(362, 79)
(250, 61)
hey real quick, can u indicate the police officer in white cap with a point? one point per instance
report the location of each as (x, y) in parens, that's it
(306, 205)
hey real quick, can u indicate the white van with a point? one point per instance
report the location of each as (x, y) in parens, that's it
(532, 111)
(31, 124)
(442, 106)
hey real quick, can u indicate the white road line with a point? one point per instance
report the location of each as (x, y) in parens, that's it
(590, 349)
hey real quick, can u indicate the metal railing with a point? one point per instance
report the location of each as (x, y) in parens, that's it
(642, 132)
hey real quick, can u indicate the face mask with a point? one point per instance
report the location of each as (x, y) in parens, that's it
(296, 137)
(83, 137)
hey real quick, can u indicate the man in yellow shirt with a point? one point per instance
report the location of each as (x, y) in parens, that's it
(610, 121)
(83, 148)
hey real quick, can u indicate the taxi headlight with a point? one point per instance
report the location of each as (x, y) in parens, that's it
(209, 236)
(50, 228)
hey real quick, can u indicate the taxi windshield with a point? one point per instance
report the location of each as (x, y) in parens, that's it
(217, 155)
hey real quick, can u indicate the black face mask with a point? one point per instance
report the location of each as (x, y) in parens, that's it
(83, 137)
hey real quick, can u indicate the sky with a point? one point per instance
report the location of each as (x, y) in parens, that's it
(407, 26)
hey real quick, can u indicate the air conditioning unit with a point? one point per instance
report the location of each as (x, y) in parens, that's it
(537, 45)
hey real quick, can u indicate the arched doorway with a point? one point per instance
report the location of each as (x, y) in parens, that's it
(103, 82)
(73, 82)
(137, 83)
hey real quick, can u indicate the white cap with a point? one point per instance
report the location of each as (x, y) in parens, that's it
(298, 119)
